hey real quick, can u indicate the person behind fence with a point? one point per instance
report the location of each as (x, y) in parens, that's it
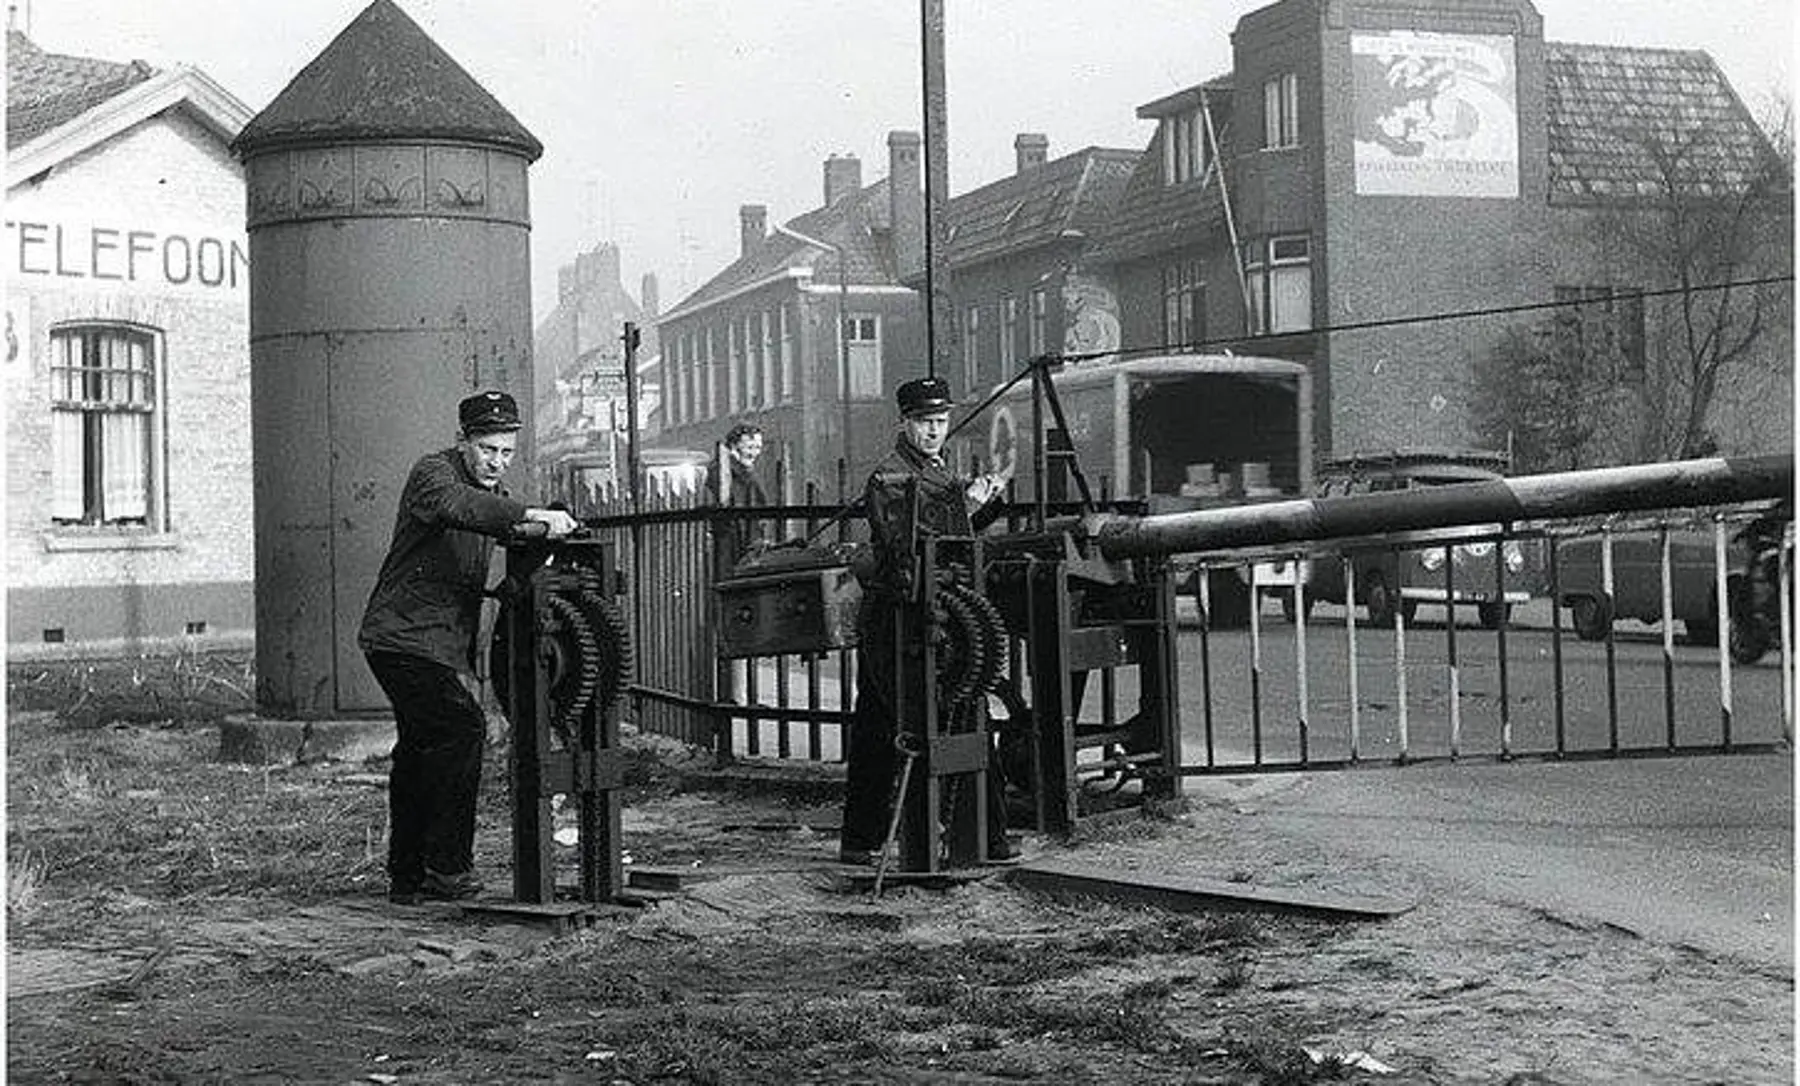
(420, 636)
(953, 506)
(736, 485)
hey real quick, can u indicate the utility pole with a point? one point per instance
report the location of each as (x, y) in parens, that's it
(940, 318)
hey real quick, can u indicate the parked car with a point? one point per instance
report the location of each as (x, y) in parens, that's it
(1387, 580)
(1693, 585)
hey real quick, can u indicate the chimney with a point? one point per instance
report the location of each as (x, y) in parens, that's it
(1031, 149)
(649, 297)
(906, 202)
(843, 176)
(753, 220)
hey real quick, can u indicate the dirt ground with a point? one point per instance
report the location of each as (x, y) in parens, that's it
(173, 919)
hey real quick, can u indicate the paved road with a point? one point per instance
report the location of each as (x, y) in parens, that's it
(1694, 850)
(1263, 712)
(1689, 851)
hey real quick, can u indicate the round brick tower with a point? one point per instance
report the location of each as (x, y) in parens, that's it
(389, 277)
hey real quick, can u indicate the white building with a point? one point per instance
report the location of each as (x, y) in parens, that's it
(127, 366)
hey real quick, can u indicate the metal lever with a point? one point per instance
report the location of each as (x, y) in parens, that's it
(910, 748)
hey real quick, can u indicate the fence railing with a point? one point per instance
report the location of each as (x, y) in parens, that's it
(1542, 675)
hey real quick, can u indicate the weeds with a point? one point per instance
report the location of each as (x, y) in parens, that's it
(187, 687)
(24, 887)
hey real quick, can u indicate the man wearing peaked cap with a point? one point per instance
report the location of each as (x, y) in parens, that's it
(924, 396)
(420, 635)
(489, 412)
(917, 496)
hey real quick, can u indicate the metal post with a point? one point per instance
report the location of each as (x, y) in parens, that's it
(937, 186)
(632, 465)
(1500, 638)
(1668, 637)
(1556, 649)
(1450, 642)
(1723, 596)
(1256, 743)
(1612, 664)
(1350, 630)
(1300, 652)
(1785, 600)
(1203, 600)
(1400, 677)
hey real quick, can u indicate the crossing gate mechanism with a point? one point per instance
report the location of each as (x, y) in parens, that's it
(561, 662)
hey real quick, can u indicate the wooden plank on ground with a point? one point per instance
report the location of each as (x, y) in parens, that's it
(1185, 893)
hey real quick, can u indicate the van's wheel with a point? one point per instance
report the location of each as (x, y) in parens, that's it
(1592, 616)
(1494, 615)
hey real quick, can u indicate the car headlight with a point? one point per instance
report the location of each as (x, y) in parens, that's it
(1515, 556)
(1432, 560)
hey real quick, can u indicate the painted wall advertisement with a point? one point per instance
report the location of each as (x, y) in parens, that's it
(1436, 114)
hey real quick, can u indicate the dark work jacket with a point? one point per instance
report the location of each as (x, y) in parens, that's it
(943, 510)
(746, 491)
(427, 597)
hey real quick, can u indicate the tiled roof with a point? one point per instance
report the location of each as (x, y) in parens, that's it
(857, 224)
(1076, 193)
(383, 78)
(45, 90)
(1153, 216)
(1611, 107)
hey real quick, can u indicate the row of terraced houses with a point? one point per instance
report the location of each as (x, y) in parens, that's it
(1383, 192)
(1360, 165)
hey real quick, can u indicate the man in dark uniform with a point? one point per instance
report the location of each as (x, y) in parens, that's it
(733, 482)
(948, 505)
(419, 634)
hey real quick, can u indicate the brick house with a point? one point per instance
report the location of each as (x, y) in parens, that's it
(1379, 164)
(1020, 252)
(128, 509)
(759, 341)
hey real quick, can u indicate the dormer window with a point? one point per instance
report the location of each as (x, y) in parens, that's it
(1183, 146)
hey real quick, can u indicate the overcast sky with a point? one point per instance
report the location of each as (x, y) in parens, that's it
(660, 117)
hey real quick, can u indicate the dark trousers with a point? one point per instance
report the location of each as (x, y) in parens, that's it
(437, 767)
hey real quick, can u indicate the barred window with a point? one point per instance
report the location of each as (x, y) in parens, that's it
(104, 420)
(1279, 271)
(1184, 305)
(1281, 111)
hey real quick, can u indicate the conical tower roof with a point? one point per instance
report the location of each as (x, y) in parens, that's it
(381, 79)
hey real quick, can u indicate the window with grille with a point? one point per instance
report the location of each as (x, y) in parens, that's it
(105, 418)
(1279, 271)
(789, 387)
(734, 367)
(862, 337)
(1040, 315)
(971, 348)
(1281, 111)
(709, 377)
(1009, 334)
(1184, 305)
(1183, 147)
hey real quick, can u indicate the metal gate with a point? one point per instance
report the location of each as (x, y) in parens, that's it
(1610, 634)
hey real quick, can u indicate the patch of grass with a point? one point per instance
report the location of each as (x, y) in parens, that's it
(24, 888)
(1278, 1062)
(184, 688)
